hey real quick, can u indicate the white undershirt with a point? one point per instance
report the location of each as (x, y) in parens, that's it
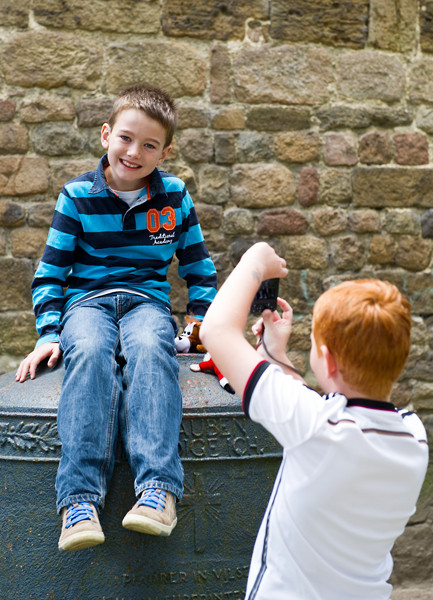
(130, 197)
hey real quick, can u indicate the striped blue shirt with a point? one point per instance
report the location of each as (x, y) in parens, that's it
(96, 243)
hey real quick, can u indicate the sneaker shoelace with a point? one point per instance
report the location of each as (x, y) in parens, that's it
(153, 498)
(75, 513)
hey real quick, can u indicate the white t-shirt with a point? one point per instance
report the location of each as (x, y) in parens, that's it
(349, 480)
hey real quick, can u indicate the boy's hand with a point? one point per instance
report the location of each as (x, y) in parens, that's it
(50, 350)
(277, 329)
(266, 262)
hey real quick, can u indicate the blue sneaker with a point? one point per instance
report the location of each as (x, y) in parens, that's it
(81, 528)
(154, 513)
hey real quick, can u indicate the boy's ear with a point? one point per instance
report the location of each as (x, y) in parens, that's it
(105, 135)
(164, 154)
(330, 362)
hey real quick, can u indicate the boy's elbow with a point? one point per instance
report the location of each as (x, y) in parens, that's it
(204, 333)
(210, 334)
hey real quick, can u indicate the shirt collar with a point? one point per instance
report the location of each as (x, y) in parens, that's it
(374, 404)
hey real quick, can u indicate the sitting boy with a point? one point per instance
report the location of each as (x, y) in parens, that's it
(353, 465)
(100, 296)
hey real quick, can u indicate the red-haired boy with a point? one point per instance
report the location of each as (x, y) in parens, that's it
(353, 465)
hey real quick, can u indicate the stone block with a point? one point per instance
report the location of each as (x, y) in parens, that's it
(14, 138)
(184, 73)
(220, 74)
(192, 117)
(297, 146)
(335, 186)
(393, 26)
(16, 276)
(209, 216)
(12, 214)
(49, 60)
(308, 186)
(419, 288)
(282, 74)
(196, 145)
(282, 221)
(41, 214)
(382, 250)
(427, 224)
(388, 116)
(411, 149)
(45, 108)
(127, 16)
(216, 20)
(17, 333)
(93, 112)
(329, 220)
(376, 147)
(213, 184)
(249, 190)
(28, 242)
(228, 118)
(57, 139)
(426, 25)
(319, 22)
(15, 13)
(421, 80)
(368, 75)
(225, 148)
(7, 109)
(379, 187)
(424, 119)
(255, 147)
(348, 253)
(341, 116)
(402, 221)
(340, 149)
(364, 221)
(413, 253)
(305, 252)
(20, 176)
(278, 118)
(302, 287)
(238, 221)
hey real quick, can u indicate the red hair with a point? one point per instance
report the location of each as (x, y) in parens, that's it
(366, 326)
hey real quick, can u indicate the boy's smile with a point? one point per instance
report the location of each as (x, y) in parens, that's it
(135, 146)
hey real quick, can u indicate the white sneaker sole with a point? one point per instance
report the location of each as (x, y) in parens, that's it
(146, 525)
(81, 540)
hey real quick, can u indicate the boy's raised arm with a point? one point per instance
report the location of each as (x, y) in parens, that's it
(222, 331)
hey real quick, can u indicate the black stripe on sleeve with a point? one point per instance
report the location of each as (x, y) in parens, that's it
(251, 384)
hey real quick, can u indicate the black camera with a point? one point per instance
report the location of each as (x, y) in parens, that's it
(266, 296)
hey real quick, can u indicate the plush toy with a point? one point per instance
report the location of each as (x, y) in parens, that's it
(208, 365)
(189, 340)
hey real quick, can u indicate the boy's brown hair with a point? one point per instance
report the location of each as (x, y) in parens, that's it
(155, 102)
(366, 325)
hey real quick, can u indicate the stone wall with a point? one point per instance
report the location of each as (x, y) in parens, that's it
(307, 123)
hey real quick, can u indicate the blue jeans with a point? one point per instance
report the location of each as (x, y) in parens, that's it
(121, 377)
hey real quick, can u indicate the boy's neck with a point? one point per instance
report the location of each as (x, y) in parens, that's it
(351, 392)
